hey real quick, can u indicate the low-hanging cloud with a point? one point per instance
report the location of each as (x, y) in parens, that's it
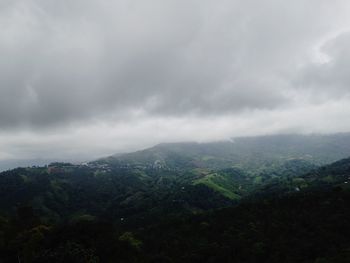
(69, 64)
(329, 78)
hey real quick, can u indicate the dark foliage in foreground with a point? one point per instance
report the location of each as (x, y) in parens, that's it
(83, 214)
(303, 227)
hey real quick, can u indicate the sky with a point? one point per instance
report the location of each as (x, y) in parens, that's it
(88, 78)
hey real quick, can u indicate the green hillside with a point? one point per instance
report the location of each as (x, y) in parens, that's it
(248, 153)
(216, 202)
(82, 214)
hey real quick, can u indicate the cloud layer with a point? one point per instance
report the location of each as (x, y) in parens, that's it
(101, 76)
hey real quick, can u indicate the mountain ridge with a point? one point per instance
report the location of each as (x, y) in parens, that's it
(196, 205)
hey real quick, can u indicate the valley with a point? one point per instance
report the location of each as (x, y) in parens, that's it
(185, 202)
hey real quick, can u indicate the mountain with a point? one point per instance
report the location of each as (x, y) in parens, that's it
(14, 163)
(264, 199)
(237, 167)
(174, 175)
(335, 175)
(82, 214)
(249, 153)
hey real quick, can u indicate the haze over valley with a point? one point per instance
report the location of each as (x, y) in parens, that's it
(174, 131)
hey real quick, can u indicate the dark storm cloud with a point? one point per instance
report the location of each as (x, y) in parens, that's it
(91, 77)
(64, 61)
(331, 78)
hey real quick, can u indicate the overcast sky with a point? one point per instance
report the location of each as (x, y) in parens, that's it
(86, 78)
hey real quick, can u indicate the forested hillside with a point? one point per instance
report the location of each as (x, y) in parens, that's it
(248, 153)
(181, 203)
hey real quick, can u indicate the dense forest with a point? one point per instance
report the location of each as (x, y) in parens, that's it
(174, 131)
(271, 199)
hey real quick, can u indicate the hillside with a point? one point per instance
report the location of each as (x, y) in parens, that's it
(249, 153)
(83, 215)
(184, 203)
(235, 168)
(326, 177)
(175, 175)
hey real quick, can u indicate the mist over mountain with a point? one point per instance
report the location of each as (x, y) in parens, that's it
(245, 152)
(269, 198)
(89, 78)
(14, 163)
(174, 131)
